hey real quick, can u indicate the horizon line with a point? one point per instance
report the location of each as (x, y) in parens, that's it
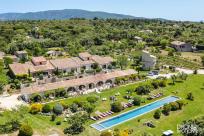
(153, 18)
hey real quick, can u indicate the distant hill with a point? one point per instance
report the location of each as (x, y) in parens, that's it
(62, 14)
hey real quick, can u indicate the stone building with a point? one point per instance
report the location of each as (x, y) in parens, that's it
(149, 61)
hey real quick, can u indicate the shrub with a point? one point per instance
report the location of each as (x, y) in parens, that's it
(190, 96)
(47, 94)
(25, 130)
(64, 105)
(53, 117)
(78, 103)
(41, 77)
(89, 108)
(137, 101)
(60, 92)
(35, 108)
(35, 98)
(73, 107)
(162, 83)
(46, 108)
(76, 122)
(166, 109)
(155, 84)
(9, 126)
(174, 106)
(92, 99)
(116, 107)
(157, 114)
(58, 109)
(98, 70)
(95, 66)
(143, 90)
(58, 123)
(180, 103)
(106, 133)
(183, 76)
(195, 72)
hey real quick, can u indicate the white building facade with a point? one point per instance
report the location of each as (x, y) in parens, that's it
(149, 61)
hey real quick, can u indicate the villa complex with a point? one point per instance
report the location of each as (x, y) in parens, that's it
(80, 82)
(75, 64)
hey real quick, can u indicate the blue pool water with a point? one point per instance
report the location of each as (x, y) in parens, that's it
(103, 125)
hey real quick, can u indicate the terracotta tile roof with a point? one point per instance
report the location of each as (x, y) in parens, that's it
(64, 63)
(84, 55)
(88, 62)
(40, 68)
(81, 62)
(20, 69)
(77, 82)
(38, 59)
(101, 60)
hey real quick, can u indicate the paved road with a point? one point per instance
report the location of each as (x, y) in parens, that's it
(187, 71)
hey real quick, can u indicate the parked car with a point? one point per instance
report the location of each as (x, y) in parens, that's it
(150, 74)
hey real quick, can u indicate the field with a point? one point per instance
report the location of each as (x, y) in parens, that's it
(192, 56)
(187, 59)
(178, 62)
(194, 84)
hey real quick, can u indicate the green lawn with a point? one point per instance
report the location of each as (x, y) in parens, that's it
(194, 84)
(192, 109)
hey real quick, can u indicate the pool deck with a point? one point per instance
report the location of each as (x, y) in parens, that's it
(95, 125)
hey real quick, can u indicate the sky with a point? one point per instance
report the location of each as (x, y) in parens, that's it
(188, 10)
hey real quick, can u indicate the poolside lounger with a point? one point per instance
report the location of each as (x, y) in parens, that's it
(100, 116)
(93, 118)
(130, 104)
(104, 115)
(96, 117)
(125, 106)
(108, 113)
(111, 112)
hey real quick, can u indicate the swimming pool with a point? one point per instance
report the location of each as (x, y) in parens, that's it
(108, 123)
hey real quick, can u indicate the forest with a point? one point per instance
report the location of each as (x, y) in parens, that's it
(98, 36)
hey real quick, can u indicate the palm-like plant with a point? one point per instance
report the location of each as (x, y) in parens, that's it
(173, 77)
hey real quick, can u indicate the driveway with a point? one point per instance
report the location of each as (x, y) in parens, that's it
(9, 102)
(162, 75)
(187, 71)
